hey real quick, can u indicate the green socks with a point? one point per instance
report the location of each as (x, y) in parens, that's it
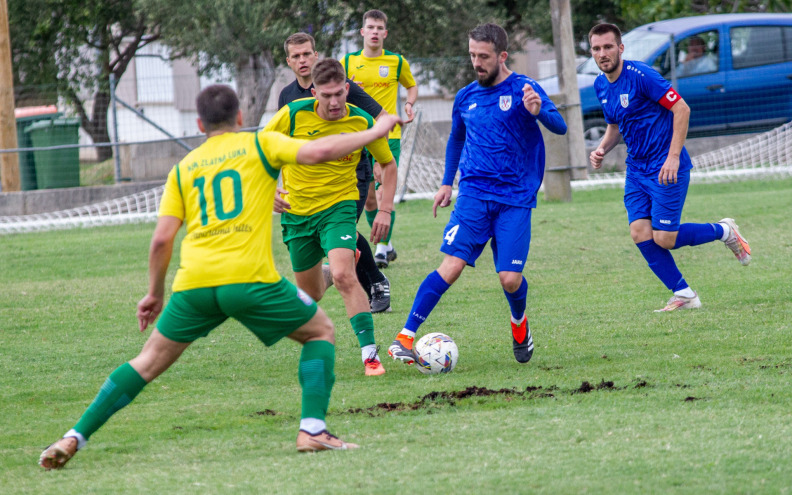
(363, 326)
(317, 377)
(370, 216)
(118, 390)
(390, 231)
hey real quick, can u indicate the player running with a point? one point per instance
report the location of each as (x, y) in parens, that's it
(321, 220)
(642, 107)
(223, 192)
(379, 72)
(497, 147)
(301, 55)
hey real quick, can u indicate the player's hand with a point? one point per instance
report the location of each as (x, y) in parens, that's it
(380, 227)
(148, 309)
(281, 204)
(442, 199)
(408, 110)
(531, 100)
(668, 173)
(385, 124)
(595, 158)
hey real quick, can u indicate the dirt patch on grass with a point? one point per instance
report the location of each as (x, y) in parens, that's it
(440, 397)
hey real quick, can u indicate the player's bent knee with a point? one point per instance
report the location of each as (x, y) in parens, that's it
(666, 240)
(344, 279)
(510, 281)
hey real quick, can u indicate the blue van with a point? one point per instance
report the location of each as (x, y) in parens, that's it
(733, 70)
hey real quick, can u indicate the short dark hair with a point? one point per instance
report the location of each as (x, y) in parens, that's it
(298, 39)
(327, 70)
(491, 33)
(605, 28)
(375, 14)
(218, 106)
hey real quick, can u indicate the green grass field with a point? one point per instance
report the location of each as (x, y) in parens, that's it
(617, 398)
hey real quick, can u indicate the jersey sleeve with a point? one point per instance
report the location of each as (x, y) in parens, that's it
(653, 84)
(279, 122)
(548, 114)
(455, 145)
(278, 149)
(380, 150)
(359, 98)
(172, 203)
(406, 78)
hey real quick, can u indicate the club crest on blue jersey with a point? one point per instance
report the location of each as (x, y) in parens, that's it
(383, 70)
(625, 100)
(505, 102)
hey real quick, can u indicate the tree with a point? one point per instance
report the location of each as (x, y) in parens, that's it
(245, 36)
(83, 42)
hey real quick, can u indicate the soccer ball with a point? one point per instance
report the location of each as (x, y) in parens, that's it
(435, 353)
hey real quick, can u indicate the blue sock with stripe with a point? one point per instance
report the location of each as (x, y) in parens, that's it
(429, 293)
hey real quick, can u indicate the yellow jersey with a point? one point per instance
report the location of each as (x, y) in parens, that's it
(223, 191)
(380, 78)
(317, 187)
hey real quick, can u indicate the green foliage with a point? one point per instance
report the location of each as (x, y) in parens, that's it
(74, 46)
(617, 399)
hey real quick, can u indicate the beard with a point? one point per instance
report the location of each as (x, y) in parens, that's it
(616, 61)
(488, 79)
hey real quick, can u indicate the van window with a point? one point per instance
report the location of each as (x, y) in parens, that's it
(756, 45)
(697, 54)
(788, 43)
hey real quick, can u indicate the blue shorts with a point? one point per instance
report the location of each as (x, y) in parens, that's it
(644, 197)
(474, 222)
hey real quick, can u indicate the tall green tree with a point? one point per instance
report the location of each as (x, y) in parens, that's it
(76, 45)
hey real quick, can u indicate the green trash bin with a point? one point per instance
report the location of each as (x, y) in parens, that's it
(59, 167)
(27, 165)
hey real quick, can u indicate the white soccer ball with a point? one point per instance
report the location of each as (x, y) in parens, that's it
(435, 353)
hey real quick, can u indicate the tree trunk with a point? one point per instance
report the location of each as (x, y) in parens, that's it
(97, 127)
(255, 76)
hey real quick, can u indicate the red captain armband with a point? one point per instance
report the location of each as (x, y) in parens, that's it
(669, 99)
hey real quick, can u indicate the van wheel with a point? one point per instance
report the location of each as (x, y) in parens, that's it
(593, 130)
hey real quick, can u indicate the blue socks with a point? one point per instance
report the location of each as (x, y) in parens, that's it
(693, 234)
(517, 300)
(429, 293)
(662, 264)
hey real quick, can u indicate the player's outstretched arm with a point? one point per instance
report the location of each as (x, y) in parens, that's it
(149, 308)
(331, 147)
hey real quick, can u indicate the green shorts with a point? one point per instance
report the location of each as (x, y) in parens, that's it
(310, 238)
(395, 147)
(270, 311)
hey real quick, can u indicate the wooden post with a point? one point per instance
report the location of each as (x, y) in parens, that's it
(564, 43)
(9, 162)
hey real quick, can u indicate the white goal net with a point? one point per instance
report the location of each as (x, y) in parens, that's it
(767, 155)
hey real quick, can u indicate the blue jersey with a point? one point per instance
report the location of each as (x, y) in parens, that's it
(496, 143)
(633, 102)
